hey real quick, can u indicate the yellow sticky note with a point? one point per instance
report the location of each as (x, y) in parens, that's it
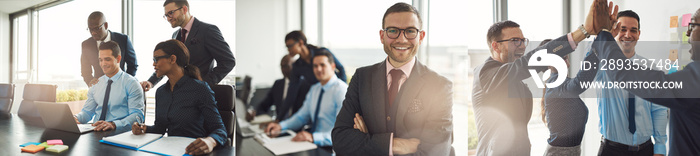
(685, 39)
(674, 21)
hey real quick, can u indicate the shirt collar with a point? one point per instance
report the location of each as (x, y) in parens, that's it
(107, 39)
(330, 83)
(188, 27)
(116, 77)
(406, 68)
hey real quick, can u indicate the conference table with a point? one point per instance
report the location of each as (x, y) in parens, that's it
(15, 131)
(248, 146)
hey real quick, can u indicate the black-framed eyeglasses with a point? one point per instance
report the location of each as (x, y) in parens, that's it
(291, 45)
(170, 13)
(691, 25)
(95, 28)
(409, 33)
(155, 59)
(517, 41)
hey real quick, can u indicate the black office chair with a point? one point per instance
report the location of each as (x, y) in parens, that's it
(245, 90)
(7, 95)
(35, 92)
(224, 96)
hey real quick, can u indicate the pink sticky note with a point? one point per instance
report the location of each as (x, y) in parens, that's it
(54, 142)
(686, 20)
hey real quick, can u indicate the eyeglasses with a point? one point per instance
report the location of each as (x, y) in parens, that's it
(155, 59)
(291, 45)
(690, 28)
(95, 28)
(517, 41)
(170, 13)
(409, 33)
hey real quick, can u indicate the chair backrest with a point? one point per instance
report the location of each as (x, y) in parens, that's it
(224, 96)
(7, 94)
(35, 92)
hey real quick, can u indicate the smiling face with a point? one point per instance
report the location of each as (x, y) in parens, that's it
(108, 63)
(401, 50)
(177, 18)
(323, 69)
(629, 33)
(510, 50)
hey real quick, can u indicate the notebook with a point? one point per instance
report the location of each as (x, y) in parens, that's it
(152, 143)
(284, 145)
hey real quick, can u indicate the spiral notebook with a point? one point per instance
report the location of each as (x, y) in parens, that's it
(149, 142)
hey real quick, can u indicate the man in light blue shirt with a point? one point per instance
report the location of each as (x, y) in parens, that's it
(321, 106)
(121, 92)
(627, 122)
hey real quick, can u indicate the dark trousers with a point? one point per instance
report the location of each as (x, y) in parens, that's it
(611, 148)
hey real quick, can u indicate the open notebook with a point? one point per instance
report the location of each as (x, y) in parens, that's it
(284, 145)
(153, 143)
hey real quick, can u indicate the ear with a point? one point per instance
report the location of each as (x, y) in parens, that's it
(494, 46)
(301, 42)
(106, 25)
(185, 9)
(173, 59)
(119, 58)
(422, 35)
(381, 36)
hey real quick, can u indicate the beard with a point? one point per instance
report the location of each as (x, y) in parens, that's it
(396, 56)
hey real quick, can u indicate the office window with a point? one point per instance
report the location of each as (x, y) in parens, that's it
(61, 31)
(21, 48)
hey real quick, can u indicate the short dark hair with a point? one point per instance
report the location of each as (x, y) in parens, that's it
(178, 3)
(630, 13)
(111, 45)
(326, 53)
(402, 7)
(496, 30)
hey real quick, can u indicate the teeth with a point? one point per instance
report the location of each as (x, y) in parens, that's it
(401, 48)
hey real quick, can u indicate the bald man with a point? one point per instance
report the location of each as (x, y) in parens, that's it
(99, 32)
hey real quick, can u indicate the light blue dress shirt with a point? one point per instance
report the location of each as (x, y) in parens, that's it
(125, 102)
(332, 101)
(650, 119)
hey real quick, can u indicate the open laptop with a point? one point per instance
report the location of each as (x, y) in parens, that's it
(244, 127)
(58, 116)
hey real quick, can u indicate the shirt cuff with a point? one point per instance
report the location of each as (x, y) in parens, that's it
(391, 145)
(660, 148)
(571, 41)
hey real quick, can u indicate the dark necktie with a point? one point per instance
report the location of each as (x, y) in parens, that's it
(630, 114)
(183, 33)
(105, 105)
(394, 87)
(318, 108)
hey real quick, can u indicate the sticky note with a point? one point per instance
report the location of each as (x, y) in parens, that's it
(674, 21)
(57, 148)
(44, 144)
(685, 39)
(29, 143)
(686, 20)
(673, 54)
(32, 148)
(55, 142)
(674, 37)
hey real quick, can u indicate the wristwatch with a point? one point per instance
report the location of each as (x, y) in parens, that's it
(584, 31)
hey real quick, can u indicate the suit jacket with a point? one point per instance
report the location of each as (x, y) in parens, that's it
(274, 97)
(424, 112)
(206, 44)
(89, 58)
(503, 103)
(684, 102)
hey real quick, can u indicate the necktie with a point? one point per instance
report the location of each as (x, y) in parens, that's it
(318, 108)
(183, 33)
(394, 87)
(630, 114)
(106, 101)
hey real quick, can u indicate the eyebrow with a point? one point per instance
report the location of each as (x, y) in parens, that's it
(633, 28)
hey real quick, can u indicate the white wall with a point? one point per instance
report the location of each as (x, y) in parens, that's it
(4, 48)
(260, 29)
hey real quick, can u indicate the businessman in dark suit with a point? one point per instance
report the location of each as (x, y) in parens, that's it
(278, 93)
(502, 102)
(203, 40)
(683, 101)
(89, 64)
(397, 106)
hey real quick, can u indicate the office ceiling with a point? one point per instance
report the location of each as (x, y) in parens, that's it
(11, 6)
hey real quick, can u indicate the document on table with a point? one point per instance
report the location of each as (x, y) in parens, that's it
(131, 140)
(171, 145)
(284, 145)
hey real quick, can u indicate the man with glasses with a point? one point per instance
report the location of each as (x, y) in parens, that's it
(683, 102)
(502, 102)
(89, 64)
(625, 120)
(398, 106)
(203, 40)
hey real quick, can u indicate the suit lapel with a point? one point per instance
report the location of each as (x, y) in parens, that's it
(193, 32)
(408, 92)
(378, 94)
